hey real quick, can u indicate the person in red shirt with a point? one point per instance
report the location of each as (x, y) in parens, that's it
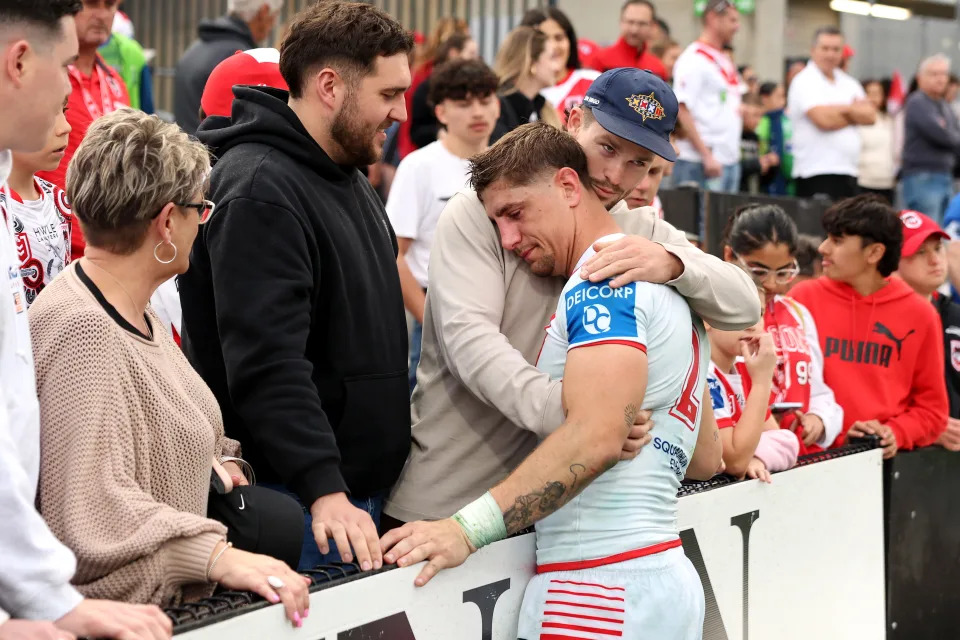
(882, 343)
(631, 50)
(96, 89)
(762, 240)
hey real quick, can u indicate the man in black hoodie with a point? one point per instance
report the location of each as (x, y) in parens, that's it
(247, 23)
(292, 307)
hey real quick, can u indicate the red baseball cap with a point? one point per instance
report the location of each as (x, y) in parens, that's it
(256, 67)
(917, 229)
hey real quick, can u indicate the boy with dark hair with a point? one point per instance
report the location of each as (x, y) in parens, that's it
(923, 266)
(463, 95)
(882, 347)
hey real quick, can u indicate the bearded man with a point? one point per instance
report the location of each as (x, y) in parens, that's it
(292, 309)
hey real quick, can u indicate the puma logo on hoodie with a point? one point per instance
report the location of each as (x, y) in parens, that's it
(866, 352)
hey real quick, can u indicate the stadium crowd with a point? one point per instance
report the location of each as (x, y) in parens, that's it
(207, 375)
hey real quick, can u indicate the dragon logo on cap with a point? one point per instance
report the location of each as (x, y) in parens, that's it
(646, 105)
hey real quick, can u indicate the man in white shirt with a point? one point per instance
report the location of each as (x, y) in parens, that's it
(37, 42)
(826, 105)
(708, 87)
(463, 93)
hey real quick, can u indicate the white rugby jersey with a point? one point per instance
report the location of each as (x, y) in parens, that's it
(633, 506)
(41, 229)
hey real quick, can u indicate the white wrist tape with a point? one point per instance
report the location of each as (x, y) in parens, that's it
(482, 521)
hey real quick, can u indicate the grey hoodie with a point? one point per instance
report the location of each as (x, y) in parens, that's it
(218, 40)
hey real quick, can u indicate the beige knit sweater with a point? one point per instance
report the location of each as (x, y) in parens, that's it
(128, 434)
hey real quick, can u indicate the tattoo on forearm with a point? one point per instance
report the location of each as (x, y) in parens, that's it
(716, 434)
(528, 509)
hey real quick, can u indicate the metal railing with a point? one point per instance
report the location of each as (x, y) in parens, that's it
(169, 26)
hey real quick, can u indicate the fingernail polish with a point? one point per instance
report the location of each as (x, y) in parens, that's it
(297, 619)
(274, 598)
(306, 613)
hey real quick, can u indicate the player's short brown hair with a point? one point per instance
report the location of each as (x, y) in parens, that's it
(346, 36)
(525, 154)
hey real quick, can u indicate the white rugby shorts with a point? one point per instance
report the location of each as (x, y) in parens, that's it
(653, 597)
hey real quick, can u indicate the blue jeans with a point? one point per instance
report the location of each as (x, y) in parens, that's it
(927, 193)
(416, 340)
(310, 555)
(728, 182)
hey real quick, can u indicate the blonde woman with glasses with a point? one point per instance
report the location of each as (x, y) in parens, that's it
(132, 439)
(762, 240)
(526, 65)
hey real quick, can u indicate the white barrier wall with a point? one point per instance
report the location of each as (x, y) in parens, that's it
(801, 558)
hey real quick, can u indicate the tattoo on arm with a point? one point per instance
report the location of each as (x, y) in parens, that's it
(529, 508)
(716, 434)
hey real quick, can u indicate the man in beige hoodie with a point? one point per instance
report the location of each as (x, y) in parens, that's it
(481, 405)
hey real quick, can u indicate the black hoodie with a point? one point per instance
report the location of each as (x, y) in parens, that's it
(292, 311)
(218, 40)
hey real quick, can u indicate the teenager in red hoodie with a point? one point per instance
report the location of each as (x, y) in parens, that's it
(881, 342)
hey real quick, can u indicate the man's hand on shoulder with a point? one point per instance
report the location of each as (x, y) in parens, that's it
(443, 544)
(632, 259)
(335, 517)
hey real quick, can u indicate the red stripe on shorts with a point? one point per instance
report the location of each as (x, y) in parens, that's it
(584, 595)
(582, 617)
(585, 606)
(587, 584)
(573, 627)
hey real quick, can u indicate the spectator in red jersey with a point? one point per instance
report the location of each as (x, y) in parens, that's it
(631, 50)
(738, 380)
(96, 89)
(923, 266)
(882, 344)
(708, 87)
(572, 79)
(422, 68)
(762, 239)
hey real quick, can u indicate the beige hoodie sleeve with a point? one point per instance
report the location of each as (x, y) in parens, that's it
(467, 293)
(719, 292)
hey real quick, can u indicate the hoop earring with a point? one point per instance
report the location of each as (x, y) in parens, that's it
(160, 244)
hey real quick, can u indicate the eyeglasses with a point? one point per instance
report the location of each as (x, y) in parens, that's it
(204, 208)
(780, 276)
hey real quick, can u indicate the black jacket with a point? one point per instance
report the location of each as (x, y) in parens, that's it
(517, 109)
(292, 310)
(219, 39)
(950, 318)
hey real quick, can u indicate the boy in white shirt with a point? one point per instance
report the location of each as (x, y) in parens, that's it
(39, 213)
(463, 93)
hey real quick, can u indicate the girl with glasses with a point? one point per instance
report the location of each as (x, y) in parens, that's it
(762, 240)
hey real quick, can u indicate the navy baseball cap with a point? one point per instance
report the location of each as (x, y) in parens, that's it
(635, 105)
